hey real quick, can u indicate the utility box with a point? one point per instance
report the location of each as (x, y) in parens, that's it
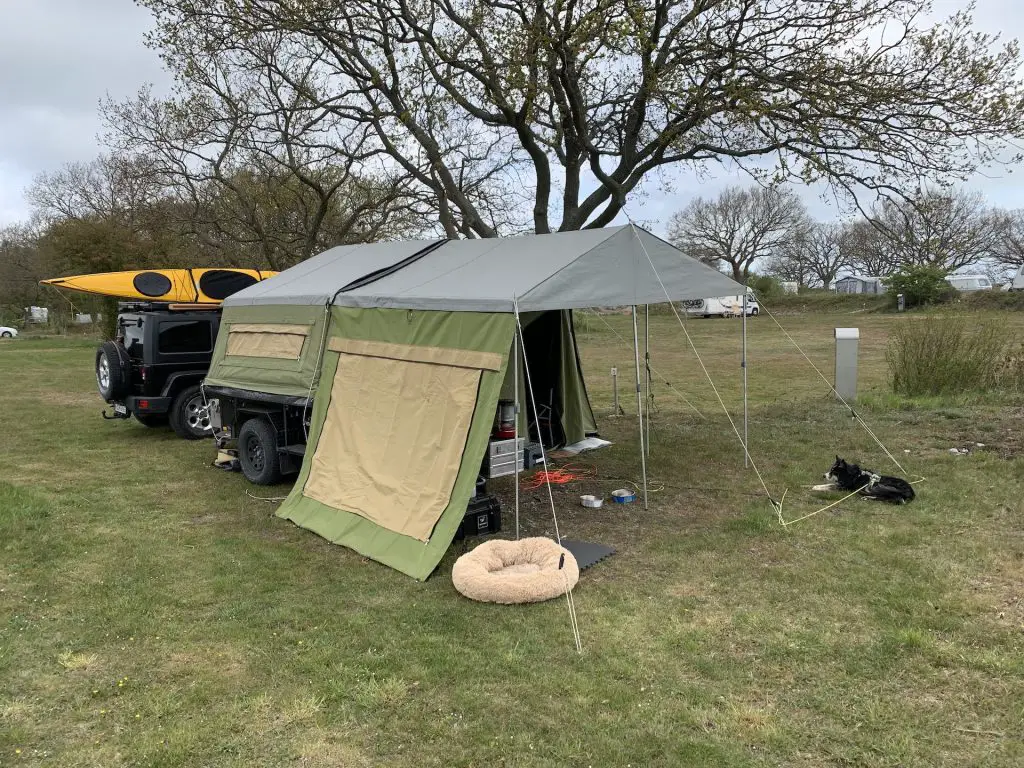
(847, 340)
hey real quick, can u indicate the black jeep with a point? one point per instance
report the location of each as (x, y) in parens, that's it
(153, 368)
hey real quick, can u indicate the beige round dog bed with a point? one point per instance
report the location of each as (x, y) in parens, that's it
(524, 571)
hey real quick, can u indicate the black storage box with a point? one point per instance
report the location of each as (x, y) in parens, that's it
(483, 516)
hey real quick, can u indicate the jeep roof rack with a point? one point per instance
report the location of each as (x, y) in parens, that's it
(164, 306)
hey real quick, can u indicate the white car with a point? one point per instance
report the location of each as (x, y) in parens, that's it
(6, 332)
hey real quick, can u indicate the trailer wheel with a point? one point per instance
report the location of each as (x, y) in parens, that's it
(257, 452)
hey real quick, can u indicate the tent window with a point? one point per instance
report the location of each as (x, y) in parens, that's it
(393, 439)
(279, 341)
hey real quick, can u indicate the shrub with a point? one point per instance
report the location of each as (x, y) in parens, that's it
(766, 287)
(944, 355)
(920, 286)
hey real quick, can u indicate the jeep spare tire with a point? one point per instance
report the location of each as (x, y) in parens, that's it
(189, 418)
(112, 371)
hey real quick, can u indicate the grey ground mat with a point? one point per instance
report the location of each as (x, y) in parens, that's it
(587, 553)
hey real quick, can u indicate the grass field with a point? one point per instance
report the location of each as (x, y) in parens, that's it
(153, 613)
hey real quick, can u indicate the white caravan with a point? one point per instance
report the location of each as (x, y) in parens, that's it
(721, 306)
(966, 283)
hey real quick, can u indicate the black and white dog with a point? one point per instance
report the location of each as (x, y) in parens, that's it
(850, 477)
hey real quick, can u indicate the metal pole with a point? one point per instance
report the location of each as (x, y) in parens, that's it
(647, 370)
(515, 450)
(616, 410)
(746, 445)
(639, 404)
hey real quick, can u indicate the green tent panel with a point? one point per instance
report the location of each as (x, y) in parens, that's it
(479, 332)
(284, 375)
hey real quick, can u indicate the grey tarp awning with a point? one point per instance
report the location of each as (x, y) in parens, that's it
(565, 270)
(317, 279)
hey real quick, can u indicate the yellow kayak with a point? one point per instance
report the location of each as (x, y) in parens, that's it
(193, 286)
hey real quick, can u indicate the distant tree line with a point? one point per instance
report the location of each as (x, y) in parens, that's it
(293, 126)
(767, 229)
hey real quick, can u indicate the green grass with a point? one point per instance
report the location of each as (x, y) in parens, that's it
(153, 613)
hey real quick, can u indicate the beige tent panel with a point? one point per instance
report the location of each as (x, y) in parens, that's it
(458, 358)
(277, 340)
(392, 440)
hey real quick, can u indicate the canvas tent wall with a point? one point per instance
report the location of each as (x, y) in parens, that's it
(408, 357)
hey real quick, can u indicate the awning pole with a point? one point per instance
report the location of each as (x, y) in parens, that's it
(515, 451)
(647, 371)
(640, 404)
(743, 364)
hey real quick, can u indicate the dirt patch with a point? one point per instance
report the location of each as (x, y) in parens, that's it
(1001, 592)
(321, 748)
(998, 432)
(216, 661)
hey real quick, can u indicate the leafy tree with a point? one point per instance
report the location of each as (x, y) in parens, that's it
(920, 285)
(516, 114)
(739, 227)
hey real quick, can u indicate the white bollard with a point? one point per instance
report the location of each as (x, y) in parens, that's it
(847, 340)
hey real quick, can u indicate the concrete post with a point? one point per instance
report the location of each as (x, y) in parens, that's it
(847, 340)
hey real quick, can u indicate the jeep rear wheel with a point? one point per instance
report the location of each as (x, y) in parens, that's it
(112, 371)
(257, 452)
(190, 419)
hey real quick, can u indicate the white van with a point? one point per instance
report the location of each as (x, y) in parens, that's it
(721, 306)
(965, 283)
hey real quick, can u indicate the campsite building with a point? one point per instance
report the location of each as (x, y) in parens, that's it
(404, 350)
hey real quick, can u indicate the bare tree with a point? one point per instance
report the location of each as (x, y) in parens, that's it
(825, 253)
(866, 250)
(262, 175)
(791, 264)
(813, 257)
(945, 229)
(739, 227)
(548, 115)
(1009, 246)
(20, 267)
(113, 186)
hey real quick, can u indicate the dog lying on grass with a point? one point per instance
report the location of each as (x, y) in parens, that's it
(849, 477)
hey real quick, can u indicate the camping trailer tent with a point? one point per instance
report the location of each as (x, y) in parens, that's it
(406, 349)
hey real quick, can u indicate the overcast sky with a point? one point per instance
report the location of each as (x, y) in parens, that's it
(59, 58)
